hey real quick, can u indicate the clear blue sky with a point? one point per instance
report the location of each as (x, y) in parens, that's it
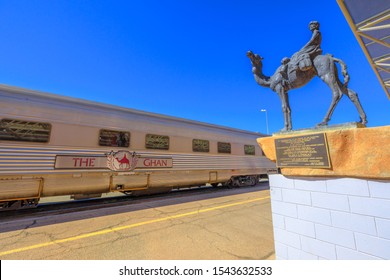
(182, 58)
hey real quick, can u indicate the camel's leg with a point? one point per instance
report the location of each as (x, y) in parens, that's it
(285, 107)
(331, 81)
(287, 112)
(335, 100)
(355, 100)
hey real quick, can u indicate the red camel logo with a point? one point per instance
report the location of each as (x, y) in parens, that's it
(122, 160)
(124, 163)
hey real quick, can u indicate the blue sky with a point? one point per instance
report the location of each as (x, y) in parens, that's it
(183, 58)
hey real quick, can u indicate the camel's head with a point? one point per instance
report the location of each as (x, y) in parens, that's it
(255, 59)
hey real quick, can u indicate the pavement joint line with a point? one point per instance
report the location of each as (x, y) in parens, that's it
(114, 229)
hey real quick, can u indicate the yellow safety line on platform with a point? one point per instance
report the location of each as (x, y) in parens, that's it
(78, 237)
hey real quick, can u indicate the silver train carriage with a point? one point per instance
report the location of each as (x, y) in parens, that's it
(52, 145)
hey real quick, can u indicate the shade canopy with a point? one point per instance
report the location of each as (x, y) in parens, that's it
(370, 22)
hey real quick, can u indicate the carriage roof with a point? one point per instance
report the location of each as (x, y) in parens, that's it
(70, 103)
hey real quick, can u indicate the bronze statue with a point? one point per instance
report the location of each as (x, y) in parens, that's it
(300, 69)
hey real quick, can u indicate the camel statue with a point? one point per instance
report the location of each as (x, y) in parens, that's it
(300, 69)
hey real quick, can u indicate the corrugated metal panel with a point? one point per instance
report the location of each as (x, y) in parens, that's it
(16, 159)
(30, 159)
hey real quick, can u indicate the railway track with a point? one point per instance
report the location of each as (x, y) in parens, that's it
(57, 212)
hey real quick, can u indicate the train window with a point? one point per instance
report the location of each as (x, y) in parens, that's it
(18, 130)
(249, 149)
(225, 148)
(199, 145)
(114, 138)
(158, 142)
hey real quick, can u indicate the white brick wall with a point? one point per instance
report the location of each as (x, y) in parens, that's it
(347, 186)
(330, 201)
(336, 236)
(297, 197)
(314, 214)
(307, 185)
(287, 238)
(370, 206)
(281, 251)
(319, 218)
(283, 208)
(348, 254)
(354, 222)
(300, 226)
(383, 227)
(379, 189)
(372, 245)
(299, 254)
(318, 248)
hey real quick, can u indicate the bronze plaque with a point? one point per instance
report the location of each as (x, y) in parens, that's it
(303, 151)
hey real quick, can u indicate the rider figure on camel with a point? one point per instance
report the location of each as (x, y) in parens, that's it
(303, 58)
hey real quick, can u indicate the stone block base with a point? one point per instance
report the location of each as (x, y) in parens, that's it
(341, 212)
(330, 218)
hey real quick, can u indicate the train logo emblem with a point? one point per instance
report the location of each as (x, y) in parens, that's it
(122, 160)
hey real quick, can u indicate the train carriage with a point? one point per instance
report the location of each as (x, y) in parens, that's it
(53, 145)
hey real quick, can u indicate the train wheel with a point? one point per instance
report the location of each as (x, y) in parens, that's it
(252, 181)
(11, 205)
(237, 182)
(29, 203)
(18, 204)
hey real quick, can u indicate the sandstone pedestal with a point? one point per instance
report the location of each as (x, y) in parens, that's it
(357, 153)
(341, 212)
